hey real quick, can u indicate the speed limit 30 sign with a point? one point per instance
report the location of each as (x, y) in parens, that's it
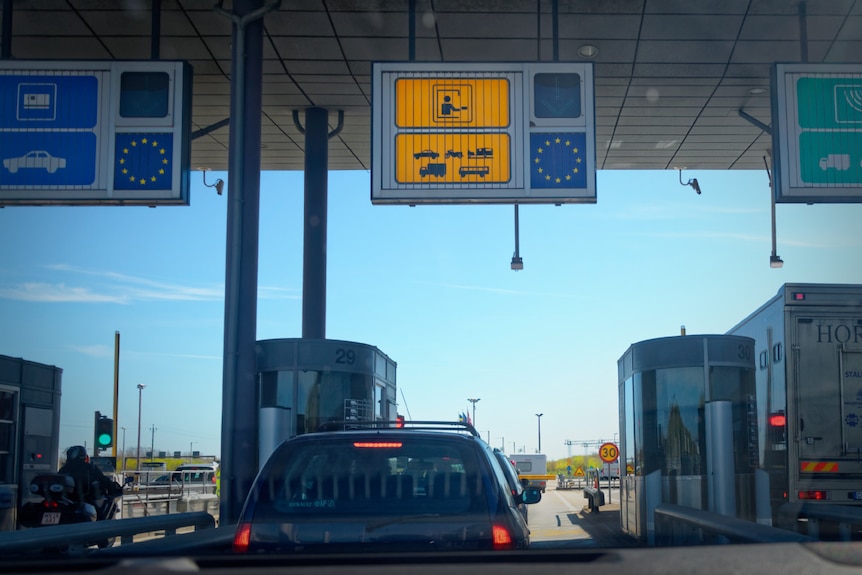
(609, 452)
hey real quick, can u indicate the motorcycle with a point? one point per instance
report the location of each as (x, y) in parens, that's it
(58, 506)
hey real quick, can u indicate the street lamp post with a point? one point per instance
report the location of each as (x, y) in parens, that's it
(474, 401)
(141, 387)
(123, 454)
(539, 417)
(153, 442)
(191, 444)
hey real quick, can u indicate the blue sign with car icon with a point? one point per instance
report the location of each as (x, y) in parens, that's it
(48, 125)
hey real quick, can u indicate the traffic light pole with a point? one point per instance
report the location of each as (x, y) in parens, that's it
(96, 433)
(116, 391)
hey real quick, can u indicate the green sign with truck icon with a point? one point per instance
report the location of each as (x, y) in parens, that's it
(817, 132)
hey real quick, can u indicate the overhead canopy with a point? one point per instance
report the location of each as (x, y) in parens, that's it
(671, 76)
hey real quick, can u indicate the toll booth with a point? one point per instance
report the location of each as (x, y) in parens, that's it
(688, 429)
(304, 383)
(29, 430)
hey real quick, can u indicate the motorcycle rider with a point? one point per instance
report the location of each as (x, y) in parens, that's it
(86, 474)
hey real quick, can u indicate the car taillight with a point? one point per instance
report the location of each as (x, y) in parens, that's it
(814, 495)
(242, 538)
(502, 538)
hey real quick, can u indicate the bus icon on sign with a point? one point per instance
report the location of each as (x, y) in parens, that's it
(37, 102)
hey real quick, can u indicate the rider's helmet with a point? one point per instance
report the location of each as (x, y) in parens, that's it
(77, 452)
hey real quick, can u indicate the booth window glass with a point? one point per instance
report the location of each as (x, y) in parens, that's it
(630, 445)
(680, 420)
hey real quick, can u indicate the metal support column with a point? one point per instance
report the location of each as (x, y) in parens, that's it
(239, 404)
(6, 31)
(156, 30)
(314, 224)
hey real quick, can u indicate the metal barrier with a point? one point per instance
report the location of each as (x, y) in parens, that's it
(137, 504)
(569, 482)
(75, 538)
(161, 481)
(844, 516)
(205, 541)
(678, 525)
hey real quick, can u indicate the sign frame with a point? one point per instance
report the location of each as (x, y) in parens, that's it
(442, 184)
(788, 160)
(90, 174)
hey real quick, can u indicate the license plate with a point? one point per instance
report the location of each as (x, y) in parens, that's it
(51, 518)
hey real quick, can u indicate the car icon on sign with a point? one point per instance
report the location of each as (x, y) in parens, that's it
(35, 159)
(426, 154)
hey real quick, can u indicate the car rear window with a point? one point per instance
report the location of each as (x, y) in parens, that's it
(352, 476)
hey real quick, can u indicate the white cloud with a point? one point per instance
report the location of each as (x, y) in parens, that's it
(139, 288)
(45, 292)
(93, 350)
(269, 292)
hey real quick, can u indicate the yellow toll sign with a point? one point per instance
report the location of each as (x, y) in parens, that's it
(630, 469)
(452, 103)
(452, 157)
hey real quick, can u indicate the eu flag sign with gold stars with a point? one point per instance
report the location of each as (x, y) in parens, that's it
(143, 161)
(557, 160)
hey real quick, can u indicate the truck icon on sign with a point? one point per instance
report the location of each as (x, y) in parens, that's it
(438, 170)
(839, 162)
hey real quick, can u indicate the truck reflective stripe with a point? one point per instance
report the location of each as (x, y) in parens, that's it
(819, 466)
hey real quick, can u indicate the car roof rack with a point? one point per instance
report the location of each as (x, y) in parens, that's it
(407, 424)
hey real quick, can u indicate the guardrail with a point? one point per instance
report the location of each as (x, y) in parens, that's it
(75, 538)
(844, 516)
(678, 525)
(205, 541)
(163, 481)
(137, 504)
(570, 482)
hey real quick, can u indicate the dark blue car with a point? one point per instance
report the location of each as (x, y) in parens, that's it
(383, 488)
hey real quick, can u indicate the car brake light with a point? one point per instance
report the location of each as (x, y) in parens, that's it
(377, 444)
(242, 538)
(502, 538)
(814, 495)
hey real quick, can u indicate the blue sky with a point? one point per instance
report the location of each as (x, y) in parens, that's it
(430, 286)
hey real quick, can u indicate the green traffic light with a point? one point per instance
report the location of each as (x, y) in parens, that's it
(104, 439)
